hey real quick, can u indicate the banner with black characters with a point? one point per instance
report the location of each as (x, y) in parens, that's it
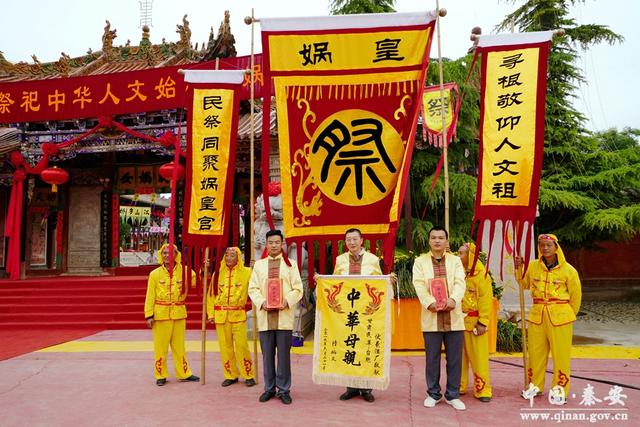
(512, 117)
(348, 90)
(211, 152)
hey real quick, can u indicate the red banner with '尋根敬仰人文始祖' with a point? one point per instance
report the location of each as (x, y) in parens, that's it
(512, 116)
(348, 91)
(96, 95)
(212, 124)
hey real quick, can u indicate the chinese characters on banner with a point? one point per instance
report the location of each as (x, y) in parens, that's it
(348, 91)
(432, 113)
(352, 338)
(211, 132)
(512, 110)
(137, 216)
(106, 198)
(110, 94)
(141, 179)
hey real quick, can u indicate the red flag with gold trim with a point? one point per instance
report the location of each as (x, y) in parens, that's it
(348, 90)
(512, 115)
(432, 129)
(212, 123)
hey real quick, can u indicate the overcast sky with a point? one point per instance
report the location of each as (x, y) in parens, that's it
(46, 28)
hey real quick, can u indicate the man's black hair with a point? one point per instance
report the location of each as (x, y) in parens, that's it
(439, 228)
(353, 230)
(274, 233)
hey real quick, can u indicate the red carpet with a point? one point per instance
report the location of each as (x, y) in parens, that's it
(89, 303)
(20, 341)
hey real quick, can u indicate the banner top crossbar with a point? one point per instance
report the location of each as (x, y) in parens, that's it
(214, 76)
(508, 39)
(371, 20)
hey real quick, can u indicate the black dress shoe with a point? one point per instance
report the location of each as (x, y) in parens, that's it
(250, 382)
(484, 399)
(367, 395)
(266, 396)
(285, 398)
(227, 382)
(161, 381)
(351, 392)
(192, 378)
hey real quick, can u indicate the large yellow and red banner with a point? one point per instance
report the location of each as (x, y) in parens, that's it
(97, 95)
(512, 114)
(211, 135)
(352, 338)
(348, 90)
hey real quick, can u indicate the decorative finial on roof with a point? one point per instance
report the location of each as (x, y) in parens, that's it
(107, 38)
(63, 66)
(185, 33)
(146, 32)
(224, 45)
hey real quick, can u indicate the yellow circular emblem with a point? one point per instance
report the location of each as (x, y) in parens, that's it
(355, 157)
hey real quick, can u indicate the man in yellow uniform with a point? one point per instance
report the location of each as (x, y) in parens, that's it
(441, 324)
(275, 324)
(476, 304)
(356, 261)
(226, 309)
(166, 315)
(557, 294)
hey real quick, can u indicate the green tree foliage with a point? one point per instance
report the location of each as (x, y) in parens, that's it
(462, 159)
(590, 189)
(590, 181)
(349, 7)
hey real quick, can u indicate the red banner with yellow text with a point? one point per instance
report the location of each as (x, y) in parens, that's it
(512, 114)
(348, 91)
(97, 95)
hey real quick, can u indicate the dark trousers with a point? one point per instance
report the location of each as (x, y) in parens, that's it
(359, 390)
(279, 377)
(453, 345)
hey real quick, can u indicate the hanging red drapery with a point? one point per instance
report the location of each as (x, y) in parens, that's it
(14, 224)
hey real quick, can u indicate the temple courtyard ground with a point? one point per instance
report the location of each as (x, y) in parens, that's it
(106, 379)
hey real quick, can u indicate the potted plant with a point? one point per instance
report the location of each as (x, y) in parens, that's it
(406, 309)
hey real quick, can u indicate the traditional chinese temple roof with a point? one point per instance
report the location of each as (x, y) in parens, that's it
(113, 59)
(28, 137)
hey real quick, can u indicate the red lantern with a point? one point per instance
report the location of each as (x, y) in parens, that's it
(166, 171)
(54, 176)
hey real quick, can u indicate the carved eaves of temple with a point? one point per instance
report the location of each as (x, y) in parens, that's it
(113, 59)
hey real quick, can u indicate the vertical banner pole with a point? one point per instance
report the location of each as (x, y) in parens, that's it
(203, 350)
(439, 14)
(408, 226)
(252, 196)
(516, 253)
(205, 282)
